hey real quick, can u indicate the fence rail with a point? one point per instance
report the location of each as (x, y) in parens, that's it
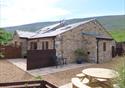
(28, 84)
(10, 51)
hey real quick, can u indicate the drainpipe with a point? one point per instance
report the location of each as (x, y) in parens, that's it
(97, 51)
(61, 47)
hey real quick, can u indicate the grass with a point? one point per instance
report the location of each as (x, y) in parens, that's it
(118, 35)
(38, 77)
(121, 70)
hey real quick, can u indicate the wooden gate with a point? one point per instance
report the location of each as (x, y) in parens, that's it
(119, 49)
(10, 51)
(40, 58)
(113, 52)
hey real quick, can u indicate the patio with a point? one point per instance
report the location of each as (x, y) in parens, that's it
(21, 63)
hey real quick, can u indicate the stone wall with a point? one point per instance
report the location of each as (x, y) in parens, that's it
(106, 55)
(16, 39)
(20, 42)
(70, 41)
(90, 44)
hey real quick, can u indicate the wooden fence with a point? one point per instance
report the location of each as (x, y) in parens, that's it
(40, 58)
(10, 51)
(28, 84)
(120, 48)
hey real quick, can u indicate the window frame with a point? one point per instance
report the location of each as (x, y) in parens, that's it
(33, 46)
(46, 45)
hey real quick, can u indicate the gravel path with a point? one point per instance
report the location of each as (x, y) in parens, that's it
(10, 73)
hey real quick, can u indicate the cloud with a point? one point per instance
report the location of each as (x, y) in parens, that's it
(16, 12)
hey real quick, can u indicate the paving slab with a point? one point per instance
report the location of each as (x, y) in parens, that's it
(21, 63)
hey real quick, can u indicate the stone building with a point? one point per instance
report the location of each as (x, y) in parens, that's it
(89, 35)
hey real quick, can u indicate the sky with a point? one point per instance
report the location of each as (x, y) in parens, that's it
(18, 12)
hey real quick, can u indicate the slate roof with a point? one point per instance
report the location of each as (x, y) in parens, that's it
(54, 30)
(24, 34)
(60, 30)
(48, 28)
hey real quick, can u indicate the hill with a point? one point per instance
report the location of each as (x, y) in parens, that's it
(118, 35)
(109, 22)
(114, 24)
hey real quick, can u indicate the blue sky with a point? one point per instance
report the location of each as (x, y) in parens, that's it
(18, 12)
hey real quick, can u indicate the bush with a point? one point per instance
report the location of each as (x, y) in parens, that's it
(79, 52)
(80, 55)
(5, 37)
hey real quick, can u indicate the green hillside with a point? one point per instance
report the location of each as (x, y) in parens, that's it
(29, 27)
(118, 35)
(114, 24)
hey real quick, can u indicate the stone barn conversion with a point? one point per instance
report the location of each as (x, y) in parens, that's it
(89, 35)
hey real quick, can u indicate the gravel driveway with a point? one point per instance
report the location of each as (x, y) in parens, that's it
(10, 72)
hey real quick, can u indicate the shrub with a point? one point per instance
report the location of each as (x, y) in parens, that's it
(5, 37)
(38, 77)
(80, 55)
(79, 52)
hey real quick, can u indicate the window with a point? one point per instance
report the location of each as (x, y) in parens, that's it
(104, 46)
(30, 45)
(15, 43)
(45, 45)
(33, 45)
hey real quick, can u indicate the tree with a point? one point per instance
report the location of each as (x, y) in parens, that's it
(5, 37)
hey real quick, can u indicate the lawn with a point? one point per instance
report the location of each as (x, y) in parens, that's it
(118, 35)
